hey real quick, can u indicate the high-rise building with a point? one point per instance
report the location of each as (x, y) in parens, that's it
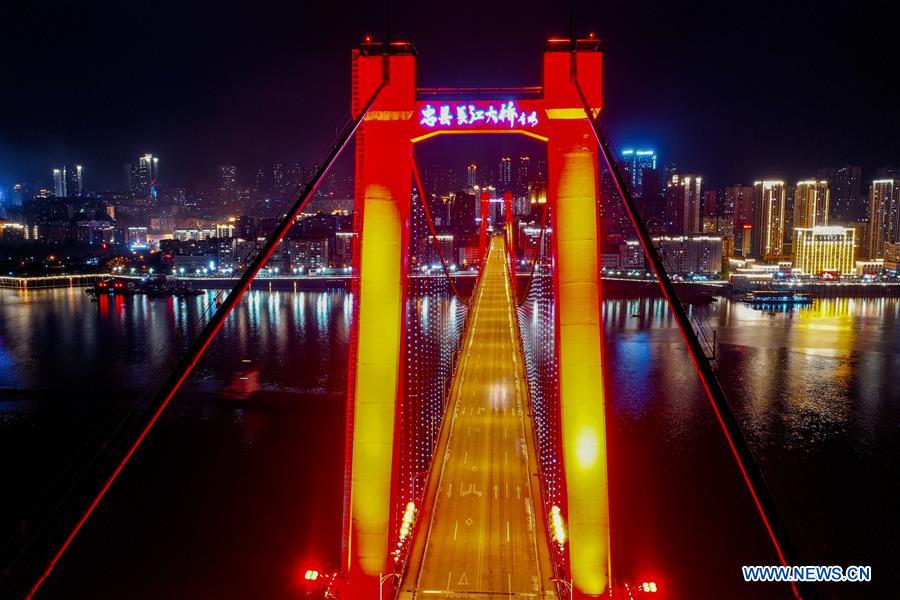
(683, 200)
(768, 220)
(737, 204)
(74, 176)
(525, 173)
(505, 172)
(472, 176)
(59, 183)
(227, 184)
(847, 202)
(824, 249)
(637, 163)
(143, 177)
(462, 210)
(68, 181)
(884, 228)
(811, 199)
(279, 179)
(710, 203)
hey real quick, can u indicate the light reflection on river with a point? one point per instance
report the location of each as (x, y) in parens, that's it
(258, 484)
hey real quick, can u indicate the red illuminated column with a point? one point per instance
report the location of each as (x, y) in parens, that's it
(482, 236)
(573, 174)
(381, 208)
(510, 225)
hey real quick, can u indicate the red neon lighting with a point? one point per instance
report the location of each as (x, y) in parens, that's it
(482, 234)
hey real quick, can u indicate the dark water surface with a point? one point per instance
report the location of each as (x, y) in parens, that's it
(234, 498)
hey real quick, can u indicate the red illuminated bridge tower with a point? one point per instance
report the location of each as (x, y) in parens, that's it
(401, 116)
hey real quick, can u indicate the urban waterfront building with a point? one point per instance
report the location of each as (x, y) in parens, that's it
(825, 249)
(686, 254)
(738, 200)
(768, 220)
(884, 202)
(891, 256)
(683, 204)
(848, 204)
(811, 200)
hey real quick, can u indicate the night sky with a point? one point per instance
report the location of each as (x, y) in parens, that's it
(733, 91)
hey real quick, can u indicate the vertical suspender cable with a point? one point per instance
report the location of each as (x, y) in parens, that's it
(750, 470)
(186, 364)
(431, 228)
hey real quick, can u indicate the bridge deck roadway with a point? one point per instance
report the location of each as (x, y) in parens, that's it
(483, 532)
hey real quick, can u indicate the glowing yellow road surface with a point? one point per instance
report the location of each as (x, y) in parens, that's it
(483, 533)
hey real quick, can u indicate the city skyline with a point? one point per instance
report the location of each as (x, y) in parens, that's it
(241, 99)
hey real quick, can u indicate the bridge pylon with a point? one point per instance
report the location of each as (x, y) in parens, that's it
(402, 116)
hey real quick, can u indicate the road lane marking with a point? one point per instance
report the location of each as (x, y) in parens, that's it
(455, 528)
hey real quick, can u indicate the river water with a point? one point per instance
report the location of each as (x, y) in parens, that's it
(234, 497)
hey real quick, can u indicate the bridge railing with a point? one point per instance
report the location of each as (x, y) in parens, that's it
(536, 328)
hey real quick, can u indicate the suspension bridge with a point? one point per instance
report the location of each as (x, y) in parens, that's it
(475, 461)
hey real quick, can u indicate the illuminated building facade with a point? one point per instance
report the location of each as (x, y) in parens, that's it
(472, 176)
(738, 200)
(892, 256)
(824, 249)
(524, 174)
(74, 177)
(68, 181)
(59, 183)
(686, 254)
(637, 163)
(884, 228)
(768, 220)
(811, 201)
(505, 172)
(143, 178)
(683, 200)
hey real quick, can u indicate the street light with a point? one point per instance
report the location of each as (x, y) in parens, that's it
(567, 584)
(382, 577)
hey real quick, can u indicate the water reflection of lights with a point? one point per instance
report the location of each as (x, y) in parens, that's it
(323, 303)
